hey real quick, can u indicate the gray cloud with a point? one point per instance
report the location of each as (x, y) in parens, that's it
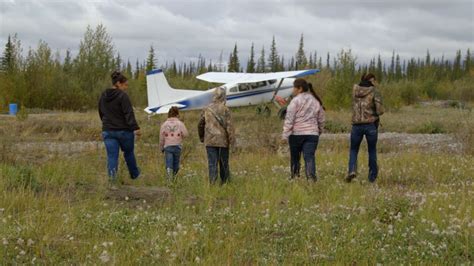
(183, 29)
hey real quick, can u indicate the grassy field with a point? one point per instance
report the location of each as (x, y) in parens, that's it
(55, 207)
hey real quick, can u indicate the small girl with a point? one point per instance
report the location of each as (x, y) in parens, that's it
(172, 133)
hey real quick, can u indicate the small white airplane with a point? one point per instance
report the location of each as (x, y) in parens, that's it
(242, 89)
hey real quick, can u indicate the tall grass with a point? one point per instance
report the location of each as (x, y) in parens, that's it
(55, 209)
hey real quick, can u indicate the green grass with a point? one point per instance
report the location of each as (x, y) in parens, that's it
(54, 209)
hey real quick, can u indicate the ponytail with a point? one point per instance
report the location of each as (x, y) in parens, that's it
(313, 92)
(307, 87)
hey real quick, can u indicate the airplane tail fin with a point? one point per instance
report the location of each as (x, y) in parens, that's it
(161, 96)
(158, 90)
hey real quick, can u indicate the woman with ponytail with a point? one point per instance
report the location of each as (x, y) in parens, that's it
(304, 122)
(119, 127)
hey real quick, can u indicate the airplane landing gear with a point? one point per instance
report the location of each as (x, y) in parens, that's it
(263, 110)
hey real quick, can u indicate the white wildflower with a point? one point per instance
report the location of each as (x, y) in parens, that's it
(104, 257)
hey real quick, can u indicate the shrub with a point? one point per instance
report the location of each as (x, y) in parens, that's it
(332, 126)
(22, 114)
(431, 127)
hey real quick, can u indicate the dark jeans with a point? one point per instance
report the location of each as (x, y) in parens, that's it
(114, 141)
(357, 134)
(218, 156)
(172, 155)
(307, 145)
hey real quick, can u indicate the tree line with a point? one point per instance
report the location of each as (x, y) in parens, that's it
(43, 78)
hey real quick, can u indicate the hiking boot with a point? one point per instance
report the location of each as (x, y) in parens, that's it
(350, 177)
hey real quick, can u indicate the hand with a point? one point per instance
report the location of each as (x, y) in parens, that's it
(283, 141)
(138, 133)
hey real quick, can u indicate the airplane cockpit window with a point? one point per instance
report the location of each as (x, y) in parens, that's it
(273, 81)
(243, 87)
(233, 89)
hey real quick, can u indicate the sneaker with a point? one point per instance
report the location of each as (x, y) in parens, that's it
(350, 177)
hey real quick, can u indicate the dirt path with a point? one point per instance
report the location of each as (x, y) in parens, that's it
(427, 142)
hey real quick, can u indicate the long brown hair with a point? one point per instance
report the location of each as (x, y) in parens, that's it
(173, 112)
(307, 86)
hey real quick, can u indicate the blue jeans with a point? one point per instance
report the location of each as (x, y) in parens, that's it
(172, 155)
(357, 134)
(218, 156)
(306, 144)
(114, 141)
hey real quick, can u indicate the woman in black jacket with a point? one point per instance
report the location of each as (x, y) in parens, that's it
(119, 126)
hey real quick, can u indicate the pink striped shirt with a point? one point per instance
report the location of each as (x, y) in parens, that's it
(305, 116)
(172, 132)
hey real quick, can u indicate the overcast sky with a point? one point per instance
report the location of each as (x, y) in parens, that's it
(183, 29)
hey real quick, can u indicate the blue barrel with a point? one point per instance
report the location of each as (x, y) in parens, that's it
(13, 109)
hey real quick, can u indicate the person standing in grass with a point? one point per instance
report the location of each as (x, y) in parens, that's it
(119, 127)
(304, 122)
(217, 133)
(366, 111)
(172, 133)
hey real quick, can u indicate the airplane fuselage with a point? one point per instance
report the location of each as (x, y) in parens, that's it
(237, 94)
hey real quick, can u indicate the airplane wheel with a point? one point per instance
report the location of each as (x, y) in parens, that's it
(263, 110)
(266, 111)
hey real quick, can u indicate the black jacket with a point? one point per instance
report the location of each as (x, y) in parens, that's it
(116, 111)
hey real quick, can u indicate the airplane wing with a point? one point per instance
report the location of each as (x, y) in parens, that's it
(163, 109)
(236, 78)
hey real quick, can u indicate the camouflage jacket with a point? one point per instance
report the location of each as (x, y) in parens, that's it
(215, 126)
(366, 105)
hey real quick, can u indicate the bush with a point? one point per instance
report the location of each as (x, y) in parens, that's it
(332, 126)
(22, 114)
(431, 127)
(408, 93)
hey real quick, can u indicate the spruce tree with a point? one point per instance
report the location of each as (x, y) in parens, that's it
(234, 64)
(456, 73)
(301, 60)
(468, 62)
(398, 68)
(251, 62)
(7, 60)
(327, 62)
(151, 59)
(261, 61)
(273, 59)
